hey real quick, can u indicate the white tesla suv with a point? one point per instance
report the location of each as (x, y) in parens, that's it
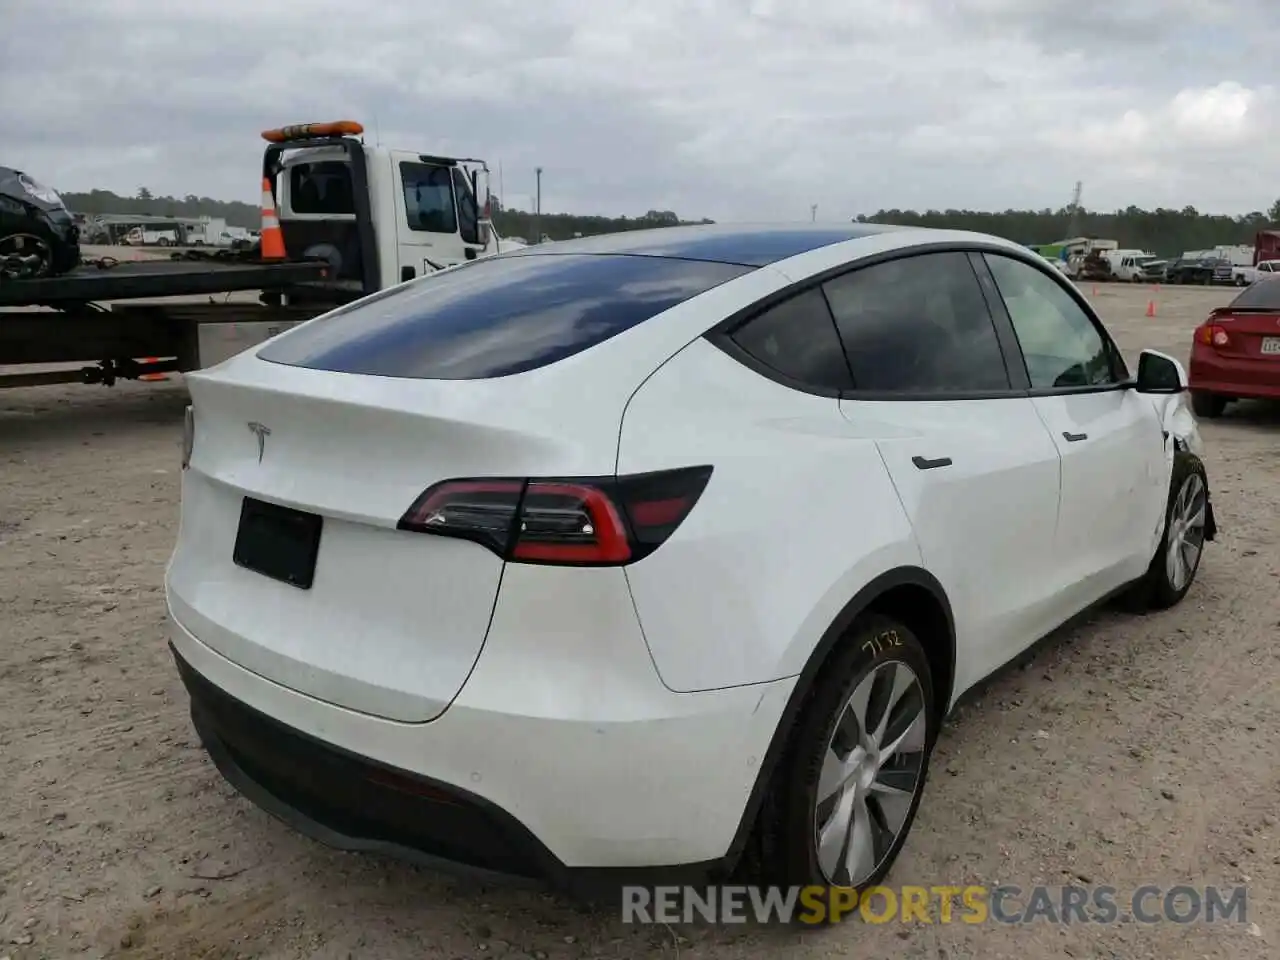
(654, 549)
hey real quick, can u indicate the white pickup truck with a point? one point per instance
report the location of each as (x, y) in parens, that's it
(1243, 276)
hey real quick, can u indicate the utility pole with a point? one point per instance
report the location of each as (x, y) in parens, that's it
(537, 207)
(813, 213)
(1073, 224)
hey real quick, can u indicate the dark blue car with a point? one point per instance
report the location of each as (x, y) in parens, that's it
(38, 236)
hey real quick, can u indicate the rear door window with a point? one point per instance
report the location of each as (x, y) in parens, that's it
(918, 325)
(496, 316)
(428, 198)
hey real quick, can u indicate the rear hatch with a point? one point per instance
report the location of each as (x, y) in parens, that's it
(306, 457)
(292, 566)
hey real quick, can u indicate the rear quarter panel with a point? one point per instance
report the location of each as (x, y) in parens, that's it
(798, 515)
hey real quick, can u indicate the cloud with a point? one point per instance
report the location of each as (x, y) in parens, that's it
(732, 109)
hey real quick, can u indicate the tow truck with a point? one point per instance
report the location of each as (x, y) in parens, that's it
(355, 218)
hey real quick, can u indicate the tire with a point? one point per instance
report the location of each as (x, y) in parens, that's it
(1162, 586)
(1207, 405)
(31, 242)
(878, 653)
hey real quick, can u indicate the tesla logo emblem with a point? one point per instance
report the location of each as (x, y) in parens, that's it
(261, 432)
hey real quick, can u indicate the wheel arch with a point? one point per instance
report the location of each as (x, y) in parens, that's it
(910, 594)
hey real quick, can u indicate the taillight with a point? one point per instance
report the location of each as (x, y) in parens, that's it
(188, 435)
(593, 521)
(1212, 335)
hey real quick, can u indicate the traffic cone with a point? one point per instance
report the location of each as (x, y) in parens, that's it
(153, 376)
(272, 238)
(1151, 308)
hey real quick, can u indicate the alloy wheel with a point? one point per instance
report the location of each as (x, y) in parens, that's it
(1186, 532)
(871, 773)
(22, 247)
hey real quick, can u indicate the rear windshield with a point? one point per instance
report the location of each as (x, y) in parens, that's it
(1263, 295)
(323, 187)
(496, 317)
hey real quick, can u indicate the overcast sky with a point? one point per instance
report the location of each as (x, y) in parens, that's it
(731, 109)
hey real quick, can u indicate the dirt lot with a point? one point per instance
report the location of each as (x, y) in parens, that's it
(1131, 750)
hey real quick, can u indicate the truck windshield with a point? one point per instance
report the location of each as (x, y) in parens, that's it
(323, 187)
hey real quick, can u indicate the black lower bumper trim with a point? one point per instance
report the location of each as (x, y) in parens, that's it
(352, 803)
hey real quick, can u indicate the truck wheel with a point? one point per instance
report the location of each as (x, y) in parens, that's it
(1207, 405)
(845, 794)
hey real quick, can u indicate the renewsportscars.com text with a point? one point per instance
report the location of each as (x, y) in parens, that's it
(971, 904)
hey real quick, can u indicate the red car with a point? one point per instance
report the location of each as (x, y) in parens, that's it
(1236, 352)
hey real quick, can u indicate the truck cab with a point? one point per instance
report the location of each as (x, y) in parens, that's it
(378, 216)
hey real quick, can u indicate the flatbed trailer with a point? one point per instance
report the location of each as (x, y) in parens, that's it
(137, 279)
(99, 315)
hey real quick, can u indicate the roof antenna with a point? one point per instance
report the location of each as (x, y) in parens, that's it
(377, 133)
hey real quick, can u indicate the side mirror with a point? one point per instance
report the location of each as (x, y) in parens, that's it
(1160, 373)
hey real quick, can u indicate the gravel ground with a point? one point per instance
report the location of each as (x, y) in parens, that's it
(1129, 750)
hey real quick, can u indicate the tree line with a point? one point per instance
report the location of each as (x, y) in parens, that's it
(1163, 231)
(565, 226)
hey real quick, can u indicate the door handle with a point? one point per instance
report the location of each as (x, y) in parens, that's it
(1074, 437)
(924, 463)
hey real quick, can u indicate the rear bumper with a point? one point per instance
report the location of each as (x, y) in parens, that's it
(577, 805)
(350, 803)
(1241, 377)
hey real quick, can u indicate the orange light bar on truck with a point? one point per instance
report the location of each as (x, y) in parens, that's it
(307, 131)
